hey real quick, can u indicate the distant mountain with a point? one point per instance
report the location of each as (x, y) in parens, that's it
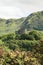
(32, 22)
(10, 25)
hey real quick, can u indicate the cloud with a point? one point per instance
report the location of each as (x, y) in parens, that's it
(19, 8)
(8, 2)
(10, 12)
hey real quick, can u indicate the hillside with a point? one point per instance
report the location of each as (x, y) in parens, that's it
(25, 48)
(10, 25)
(33, 22)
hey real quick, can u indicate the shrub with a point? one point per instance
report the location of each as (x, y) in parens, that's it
(36, 35)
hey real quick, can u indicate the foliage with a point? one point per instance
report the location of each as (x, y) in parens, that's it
(35, 34)
(21, 49)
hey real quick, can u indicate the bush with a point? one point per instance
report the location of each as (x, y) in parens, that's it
(36, 35)
(26, 45)
(26, 37)
(7, 37)
(23, 36)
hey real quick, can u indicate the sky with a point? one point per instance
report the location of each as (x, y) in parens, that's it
(19, 8)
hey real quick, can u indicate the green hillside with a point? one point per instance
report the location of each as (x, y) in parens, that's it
(10, 25)
(25, 48)
(33, 22)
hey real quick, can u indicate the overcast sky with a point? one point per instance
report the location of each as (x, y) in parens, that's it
(19, 8)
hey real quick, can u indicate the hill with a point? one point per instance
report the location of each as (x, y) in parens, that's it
(25, 48)
(33, 22)
(10, 25)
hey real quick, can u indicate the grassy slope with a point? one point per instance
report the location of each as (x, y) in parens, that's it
(10, 25)
(33, 22)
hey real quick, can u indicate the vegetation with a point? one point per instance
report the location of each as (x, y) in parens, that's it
(23, 49)
(21, 40)
(32, 22)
